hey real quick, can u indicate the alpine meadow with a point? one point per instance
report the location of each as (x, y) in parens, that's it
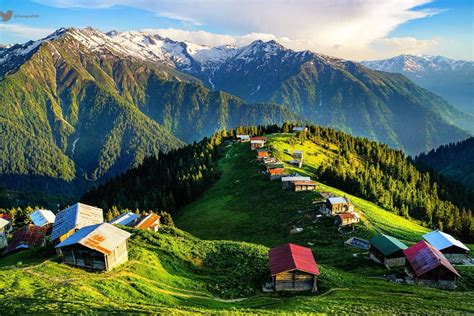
(237, 157)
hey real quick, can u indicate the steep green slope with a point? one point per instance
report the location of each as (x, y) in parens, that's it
(174, 272)
(455, 161)
(72, 117)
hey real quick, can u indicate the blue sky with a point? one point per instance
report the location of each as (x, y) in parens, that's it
(353, 29)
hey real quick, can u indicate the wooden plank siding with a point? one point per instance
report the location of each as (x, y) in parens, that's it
(294, 281)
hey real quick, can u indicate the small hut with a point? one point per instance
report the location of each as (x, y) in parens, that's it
(125, 219)
(298, 154)
(454, 250)
(262, 153)
(296, 163)
(43, 218)
(288, 182)
(275, 173)
(299, 129)
(304, 186)
(387, 250)
(346, 219)
(150, 222)
(428, 266)
(73, 218)
(243, 138)
(29, 236)
(99, 247)
(293, 268)
(335, 205)
(257, 142)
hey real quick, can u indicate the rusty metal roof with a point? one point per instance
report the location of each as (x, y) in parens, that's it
(8, 217)
(305, 182)
(75, 217)
(27, 237)
(347, 216)
(423, 258)
(148, 221)
(104, 238)
(290, 257)
(276, 170)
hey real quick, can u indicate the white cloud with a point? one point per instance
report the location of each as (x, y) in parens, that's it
(26, 32)
(344, 28)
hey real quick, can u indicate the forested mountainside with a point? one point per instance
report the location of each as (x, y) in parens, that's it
(361, 167)
(455, 161)
(337, 93)
(451, 79)
(72, 117)
(324, 90)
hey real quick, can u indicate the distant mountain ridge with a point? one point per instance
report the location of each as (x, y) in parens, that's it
(449, 78)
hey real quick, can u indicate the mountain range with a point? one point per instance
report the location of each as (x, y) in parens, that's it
(451, 79)
(81, 105)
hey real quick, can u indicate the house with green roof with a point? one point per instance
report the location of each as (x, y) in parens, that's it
(387, 250)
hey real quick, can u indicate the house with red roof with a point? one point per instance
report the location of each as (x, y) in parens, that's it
(293, 268)
(428, 266)
(257, 142)
(29, 236)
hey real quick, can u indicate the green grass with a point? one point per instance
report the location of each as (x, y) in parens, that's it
(174, 272)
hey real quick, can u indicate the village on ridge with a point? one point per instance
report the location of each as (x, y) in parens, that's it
(83, 239)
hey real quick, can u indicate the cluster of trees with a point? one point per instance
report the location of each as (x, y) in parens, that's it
(390, 179)
(168, 181)
(20, 215)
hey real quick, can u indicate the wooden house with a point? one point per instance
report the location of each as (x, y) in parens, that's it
(304, 185)
(125, 219)
(29, 236)
(387, 250)
(73, 218)
(262, 153)
(298, 154)
(428, 266)
(269, 160)
(257, 142)
(335, 205)
(346, 219)
(43, 218)
(275, 173)
(273, 165)
(454, 250)
(5, 226)
(296, 163)
(150, 222)
(288, 182)
(243, 138)
(293, 268)
(99, 247)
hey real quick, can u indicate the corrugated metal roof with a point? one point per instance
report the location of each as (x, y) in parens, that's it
(290, 257)
(3, 223)
(75, 217)
(125, 219)
(101, 237)
(305, 182)
(258, 138)
(276, 171)
(441, 240)
(338, 200)
(387, 244)
(423, 258)
(42, 217)
(347, 216)
(8, 217)
(148, 221)
(27, 237)
(295, 178)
